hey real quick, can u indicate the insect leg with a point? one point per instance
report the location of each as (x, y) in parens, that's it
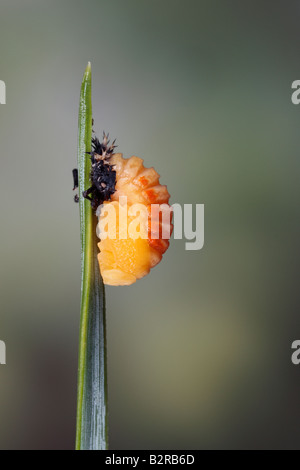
(87, 192)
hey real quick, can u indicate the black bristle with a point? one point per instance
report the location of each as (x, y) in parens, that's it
(97, 146)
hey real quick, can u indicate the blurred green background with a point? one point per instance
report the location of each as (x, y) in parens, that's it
(199, 351)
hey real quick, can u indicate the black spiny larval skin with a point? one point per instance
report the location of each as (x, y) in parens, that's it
(103, 175)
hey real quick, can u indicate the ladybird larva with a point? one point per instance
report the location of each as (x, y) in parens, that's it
(123, 261)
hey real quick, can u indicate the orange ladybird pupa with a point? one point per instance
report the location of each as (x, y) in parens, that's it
(123, 261)
(127, 255)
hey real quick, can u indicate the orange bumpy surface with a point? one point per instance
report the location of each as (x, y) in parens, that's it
(124, 260)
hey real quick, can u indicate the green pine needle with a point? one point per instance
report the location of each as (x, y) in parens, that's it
(91, 431)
